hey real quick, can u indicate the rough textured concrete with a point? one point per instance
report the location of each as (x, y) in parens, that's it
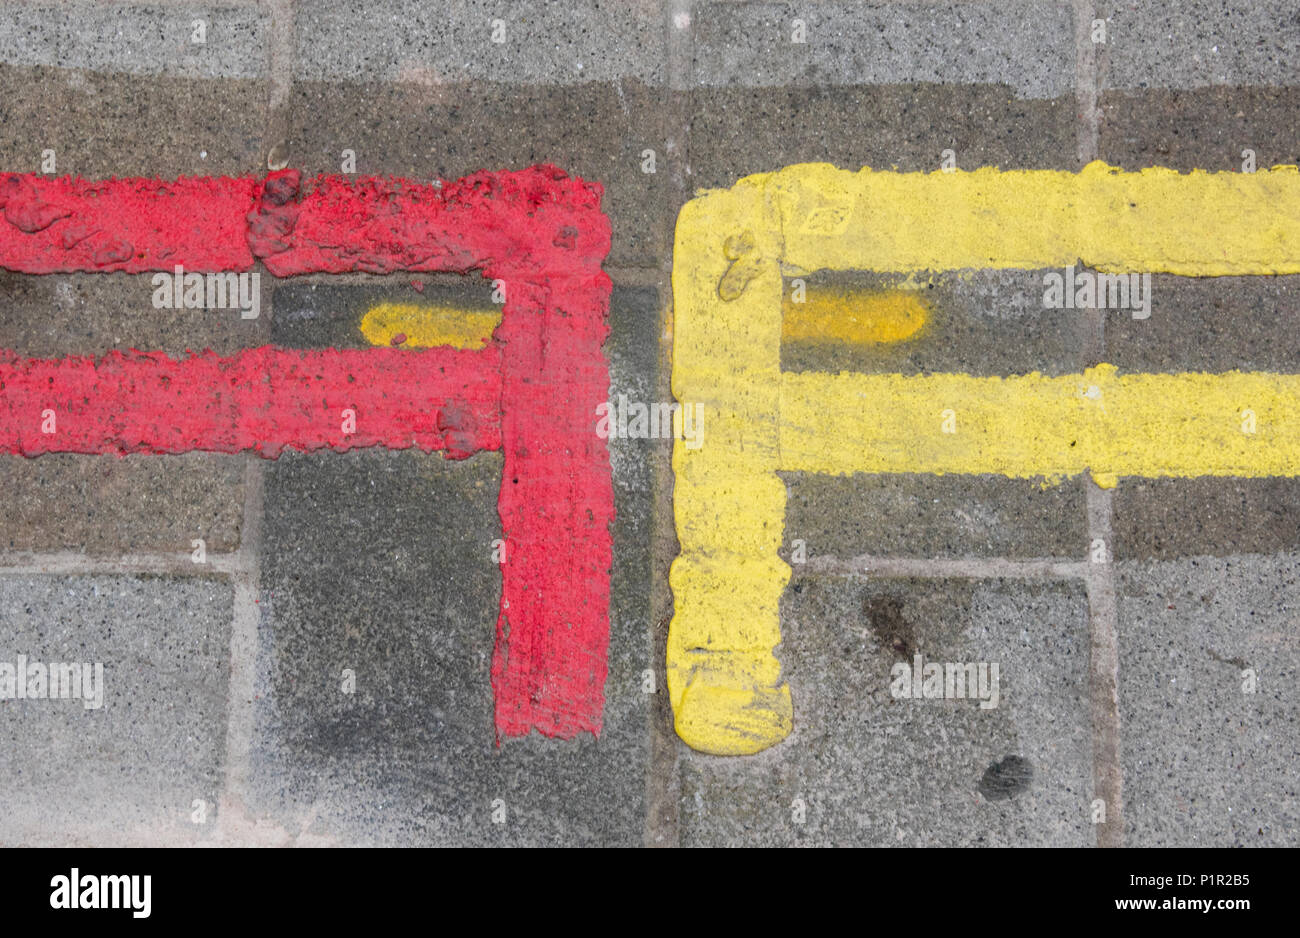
(1195, 43)
(934, 516)
(380, 562)
(121, 505)
(1210, 324)
(138, 39)
(886, 44)
(89, 314)
(129, 772)
(536, 43)
(1205, 762)
(1165, 519)
(874, 770)
(1205, 128)
(738, 131)
(101, 124)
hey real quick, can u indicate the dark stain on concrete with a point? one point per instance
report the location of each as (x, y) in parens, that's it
(1007, 778)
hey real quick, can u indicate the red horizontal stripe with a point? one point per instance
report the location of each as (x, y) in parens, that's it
(64, 225)
(536, 221)
(261, 400)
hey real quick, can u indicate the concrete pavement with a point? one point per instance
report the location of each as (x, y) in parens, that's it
(230, 717)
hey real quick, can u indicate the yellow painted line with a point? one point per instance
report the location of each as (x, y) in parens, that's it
(852, 316)
(1197, 224)
(427, 326)
(1233, 424)
(731, 251)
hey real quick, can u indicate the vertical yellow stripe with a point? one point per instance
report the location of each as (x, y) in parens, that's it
(723, 676)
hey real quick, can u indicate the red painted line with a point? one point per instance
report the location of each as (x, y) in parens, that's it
(262, 400)
(556, 504)
(532, 392)
(535, 221)
(64, 225)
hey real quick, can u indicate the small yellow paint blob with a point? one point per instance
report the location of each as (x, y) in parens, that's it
(427, 326)
(845, 315)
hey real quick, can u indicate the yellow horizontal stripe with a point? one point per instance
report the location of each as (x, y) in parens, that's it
(1157, 220)
(1114, 425)
(427, 326)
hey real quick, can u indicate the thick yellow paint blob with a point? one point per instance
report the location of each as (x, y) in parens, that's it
(724, 679)
(427, 326)
(852, 316)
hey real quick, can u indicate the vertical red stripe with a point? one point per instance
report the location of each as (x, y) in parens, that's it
(556, 504)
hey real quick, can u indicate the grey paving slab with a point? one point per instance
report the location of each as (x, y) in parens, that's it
(109, 505)
(870, 769)
(522, 42)
(1200, 128)
(128, 772)
(103, 124)
(947, 516)
(1166, 519)
(1029, 49)
(52, 315)
(736, 131)
(1210, 324)
(1205, 762)
(140, 39)
(1194, 43)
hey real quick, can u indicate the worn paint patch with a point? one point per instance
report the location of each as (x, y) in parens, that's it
(852, 316)
(531, 392)
(414, 325)
(731, 248)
